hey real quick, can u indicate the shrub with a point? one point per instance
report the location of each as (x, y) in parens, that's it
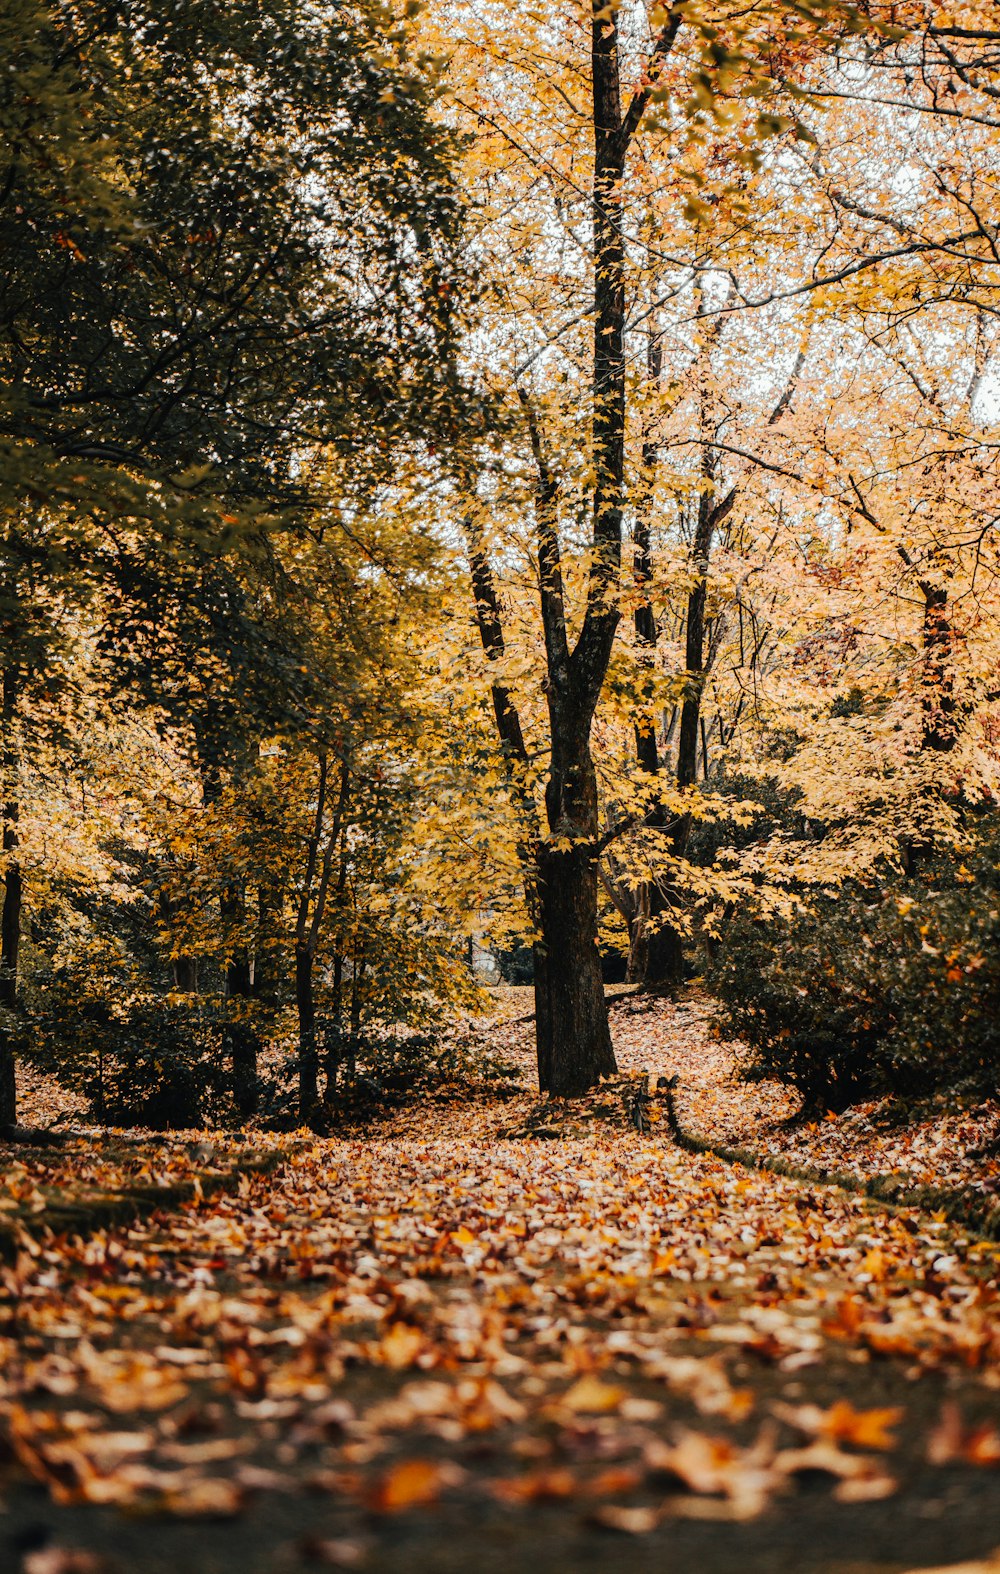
(139, 1059)
(888, 991)
(396, 1066)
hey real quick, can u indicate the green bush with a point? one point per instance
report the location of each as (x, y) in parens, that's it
(139, 1059)
(894, 990)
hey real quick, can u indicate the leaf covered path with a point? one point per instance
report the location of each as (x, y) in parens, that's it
(415, 1350)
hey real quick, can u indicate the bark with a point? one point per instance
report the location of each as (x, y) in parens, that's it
(571, 1019)
(576, 1016)
(939, 732)
(10, 917)
(241, 1038)
(335, 1038)
(308, 1050)
(316, 884)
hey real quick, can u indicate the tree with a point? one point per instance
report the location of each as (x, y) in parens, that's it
(185, 195)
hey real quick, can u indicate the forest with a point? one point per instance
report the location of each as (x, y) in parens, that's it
(500, 755)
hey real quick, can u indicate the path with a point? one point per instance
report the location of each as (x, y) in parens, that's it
(439, 1348)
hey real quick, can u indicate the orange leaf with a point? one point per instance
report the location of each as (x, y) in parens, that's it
(589, 1396)
(410, 1484)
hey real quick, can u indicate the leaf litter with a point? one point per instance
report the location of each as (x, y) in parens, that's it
(432, 1311)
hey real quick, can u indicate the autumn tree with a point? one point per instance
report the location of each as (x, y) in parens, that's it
(187, 195)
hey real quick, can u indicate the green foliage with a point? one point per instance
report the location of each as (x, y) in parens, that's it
(888, 990)
(139, 1059)
(395, 1067)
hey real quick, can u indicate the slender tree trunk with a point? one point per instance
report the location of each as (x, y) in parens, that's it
(308, 1048)
(241, 1037)
(656, 957)
(10, 917)
(335, 1040)
(939, 733)
(354, 1033)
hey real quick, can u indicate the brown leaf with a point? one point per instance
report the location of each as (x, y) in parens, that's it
(210, 1498)
(631, 1521)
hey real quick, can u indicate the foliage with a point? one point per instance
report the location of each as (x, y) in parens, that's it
(138, 1058)
(867, 990)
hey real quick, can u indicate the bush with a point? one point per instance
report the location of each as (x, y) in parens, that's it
(888, 991)
(139, 1060)
(396, 1066)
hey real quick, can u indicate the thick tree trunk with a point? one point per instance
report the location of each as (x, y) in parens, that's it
(578, 1047)
(573, 1038)
(308, 1050)
(576, 1018)
(665, 967)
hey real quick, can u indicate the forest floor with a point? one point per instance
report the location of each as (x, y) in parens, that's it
(487, 1329)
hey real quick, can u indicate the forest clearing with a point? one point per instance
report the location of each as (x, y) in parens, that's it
(499, 786)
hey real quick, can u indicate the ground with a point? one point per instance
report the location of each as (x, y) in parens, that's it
(485, 1330)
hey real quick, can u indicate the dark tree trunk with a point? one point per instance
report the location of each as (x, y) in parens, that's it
(665, 967)
(561, 875)
(241, 1038)
(354, 1033)
(578, 1048)
(335, 1037)
(940, 721)
(10, 917)
(308, 1048)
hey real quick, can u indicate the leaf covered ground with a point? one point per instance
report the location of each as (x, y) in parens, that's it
(487, 1330)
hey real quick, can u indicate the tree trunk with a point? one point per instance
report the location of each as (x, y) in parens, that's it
(575, 1020)
(335, 1037)
(665, 951)
(576, 1041)
(940, 722)
(571, 1019)
(241, 1038)
(308, 1051)
(10, 918)
(354, 1033)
